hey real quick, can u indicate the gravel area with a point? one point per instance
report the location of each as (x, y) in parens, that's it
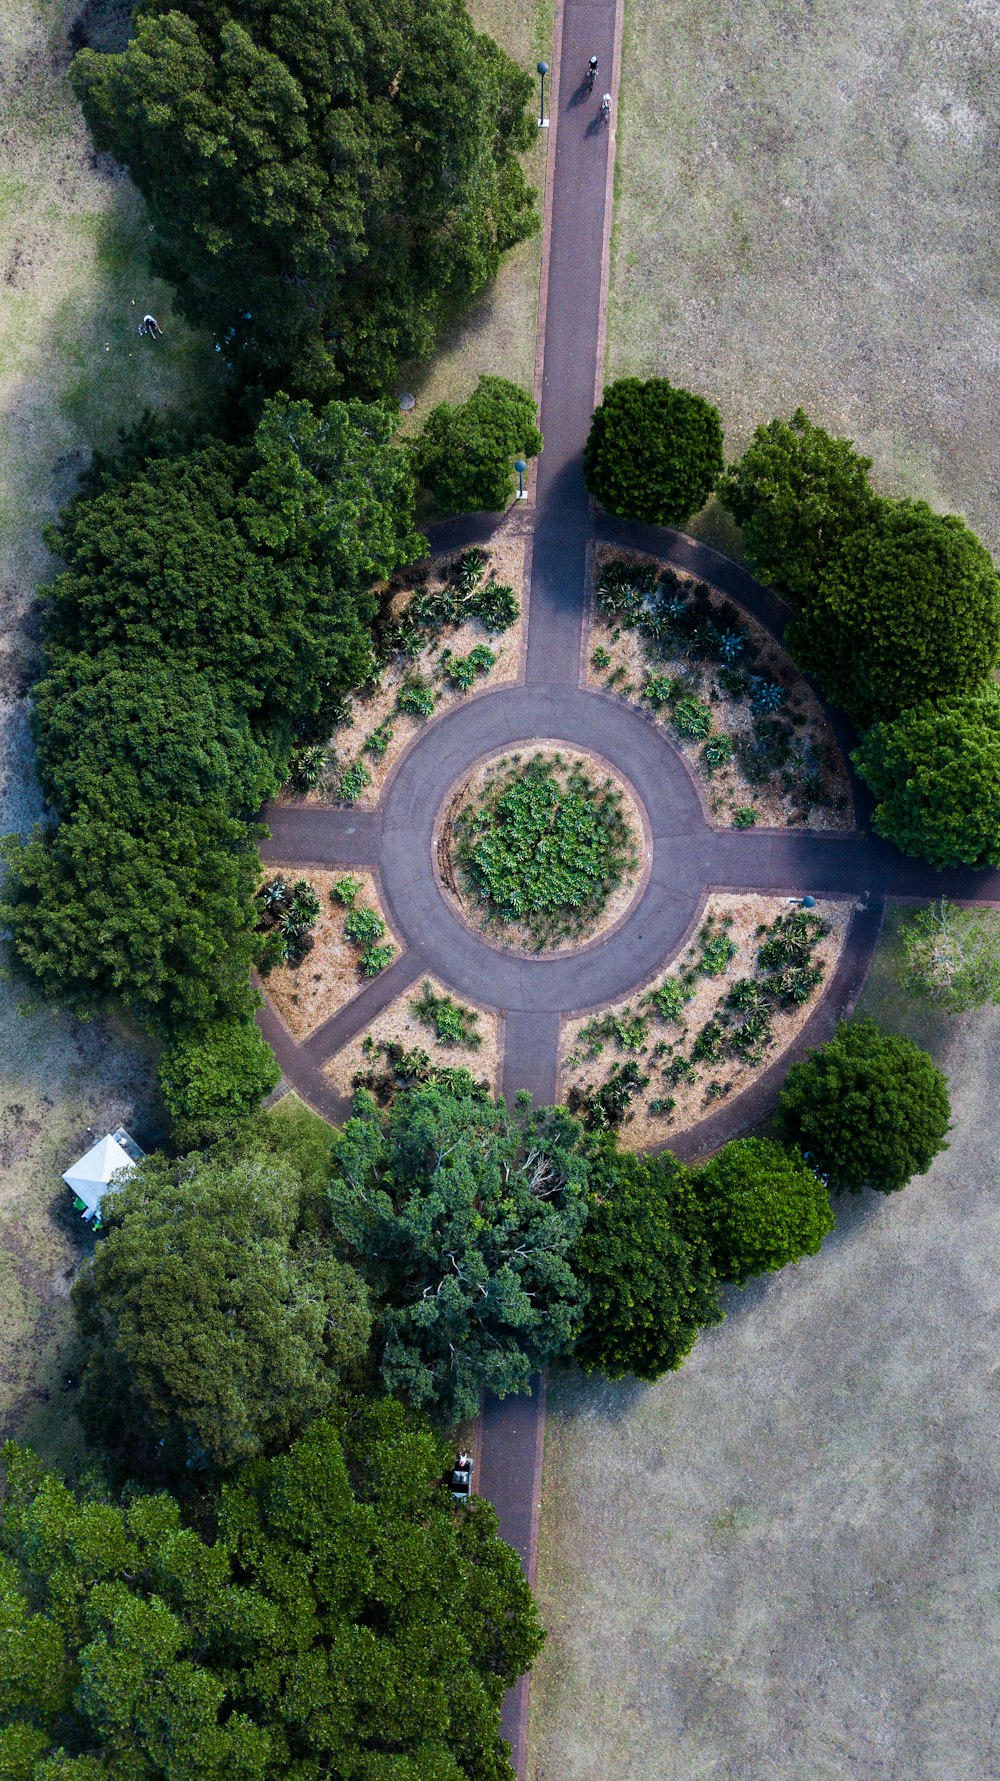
(643, 1126)
(330, 974)
(399, 1023)
(727, 789)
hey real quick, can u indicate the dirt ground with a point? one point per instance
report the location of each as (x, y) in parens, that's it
(330, 974)
(805, 213)
(399, 1023)
(643, 1126)
(790, 1567)
(727, 789)
(516, 935)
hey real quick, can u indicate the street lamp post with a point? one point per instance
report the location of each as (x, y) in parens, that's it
(521, 467)
(543, 122)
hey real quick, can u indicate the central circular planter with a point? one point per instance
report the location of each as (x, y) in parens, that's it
(542, 848)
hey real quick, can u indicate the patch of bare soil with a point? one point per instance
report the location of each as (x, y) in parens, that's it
(398, 1025)
(371, 711)
(669, 1043)
(724, 790)
(516, 936)
(330, 974)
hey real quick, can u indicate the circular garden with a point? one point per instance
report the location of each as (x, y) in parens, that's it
(542, 852)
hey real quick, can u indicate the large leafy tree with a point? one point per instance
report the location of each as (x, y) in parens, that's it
(342, 1618)
(122, 739)
(465, 455)
(908, 609)
(765, 1207)
(797, 493)
(935, 772)
(212, 1079)
(869, 1109)
(215, 1319)
(326, 179)
(464, 1224)
(248, 567)
(653, 452)
(645, 1263)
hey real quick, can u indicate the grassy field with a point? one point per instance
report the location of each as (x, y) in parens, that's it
(74, 281)
(781, 1562)
(806, 213)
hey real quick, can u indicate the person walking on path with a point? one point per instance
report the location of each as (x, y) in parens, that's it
(606, 108)
(591, 74)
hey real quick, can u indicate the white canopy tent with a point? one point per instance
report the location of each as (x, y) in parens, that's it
(101, 1171)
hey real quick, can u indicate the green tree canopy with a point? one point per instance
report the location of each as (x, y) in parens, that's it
(212, 1317)
(249, 568)
(869, 1109)
(952, 955)
(465, 455)
(217, 1075)
(653, 452)
(935, 772)
(327, 178)
(160, 919)
(796, 493)
(908, 609)
(119, 740)
(341, 1619)
(463, 1225)
(645, 1264)
(765, 1207)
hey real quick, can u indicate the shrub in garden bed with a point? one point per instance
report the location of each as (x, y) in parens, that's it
(287, 912)
(452, 1024)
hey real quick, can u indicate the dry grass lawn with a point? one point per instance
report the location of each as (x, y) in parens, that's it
(806, 213)
(73, 282)
(780, 1562)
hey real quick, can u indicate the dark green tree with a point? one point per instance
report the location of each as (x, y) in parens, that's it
(653, 452)
(463, 1225)
(465, 454)
(327, 180)
(212, 1318)
(160, 919)
(765, 1207)
(249, 568)
(645, 1263)
(908, 609)
(796, 493)
(869, 1109)
(342, 1618)
(935, 772)
(217, 1075)
(124, 740)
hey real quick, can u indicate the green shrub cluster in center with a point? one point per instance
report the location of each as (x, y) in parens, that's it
(546, 846)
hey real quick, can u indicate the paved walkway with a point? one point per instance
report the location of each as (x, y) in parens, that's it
(689, 857)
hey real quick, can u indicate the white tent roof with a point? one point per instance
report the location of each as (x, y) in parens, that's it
(92, 1177)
